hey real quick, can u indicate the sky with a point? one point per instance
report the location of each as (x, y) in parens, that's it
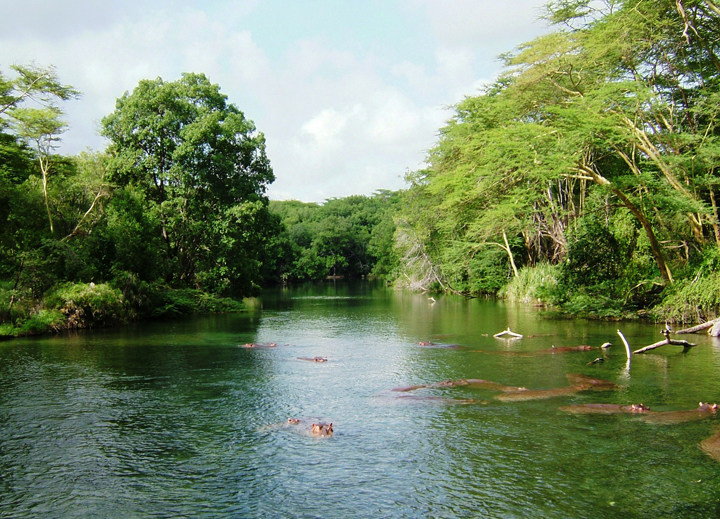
(350, 95)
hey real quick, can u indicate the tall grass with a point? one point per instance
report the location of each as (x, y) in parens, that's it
(530, 283)
(690, 301)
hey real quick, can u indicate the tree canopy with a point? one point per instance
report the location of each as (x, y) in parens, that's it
(612, 114)
(198, 169)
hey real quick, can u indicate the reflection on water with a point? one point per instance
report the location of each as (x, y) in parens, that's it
(174, 419)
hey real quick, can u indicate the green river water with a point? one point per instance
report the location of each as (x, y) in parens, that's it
(173, 419)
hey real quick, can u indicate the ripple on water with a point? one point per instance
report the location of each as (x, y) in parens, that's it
(115, 425)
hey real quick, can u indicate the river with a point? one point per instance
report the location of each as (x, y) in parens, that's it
(174, 419)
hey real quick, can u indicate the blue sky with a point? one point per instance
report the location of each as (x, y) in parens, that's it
(350, 95)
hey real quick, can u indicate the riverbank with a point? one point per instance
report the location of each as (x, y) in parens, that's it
(685, 301)
(72, 306)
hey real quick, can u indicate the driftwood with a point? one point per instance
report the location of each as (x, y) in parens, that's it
(667, 340)
(715, 330)
(700, 327)
(512, 335)
(627, 350)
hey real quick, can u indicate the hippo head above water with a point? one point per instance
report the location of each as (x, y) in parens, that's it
(322, 429)
(704, 406)
(639, 408)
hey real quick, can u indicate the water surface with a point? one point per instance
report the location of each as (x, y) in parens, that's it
(173, 419)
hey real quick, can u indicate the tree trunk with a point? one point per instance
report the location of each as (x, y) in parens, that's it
(44, 169)
(716, 228)
(699, 327)
(654, 244)
(715, 330)
(510, 254)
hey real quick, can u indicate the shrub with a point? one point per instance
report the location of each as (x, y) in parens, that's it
(689, 301)
(88, 304)
(531, 284)
(42, 322)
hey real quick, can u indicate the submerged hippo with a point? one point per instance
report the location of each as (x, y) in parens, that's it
(314, 359)
(549, 351)
(605, 409)
(477, 382)
(257, 345)
(321, 429)
(305, 426)
(567, 349)
(439, 399)
(704, 410)
(579, 383)
(536, 394)
(430, 344)
(711, 446)
(585, 382)
(471, 382)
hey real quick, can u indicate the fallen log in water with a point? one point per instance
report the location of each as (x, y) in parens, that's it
(699, 327)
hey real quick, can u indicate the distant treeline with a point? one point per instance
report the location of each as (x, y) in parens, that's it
(350, 237)
(583, 178)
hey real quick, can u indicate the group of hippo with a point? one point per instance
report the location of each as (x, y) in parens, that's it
(578, 383)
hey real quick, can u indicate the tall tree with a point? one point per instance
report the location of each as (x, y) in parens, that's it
(40, 126)
(619, 100)
(40, 129)
(197, 163)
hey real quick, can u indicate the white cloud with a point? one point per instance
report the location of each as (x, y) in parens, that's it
(337, 122)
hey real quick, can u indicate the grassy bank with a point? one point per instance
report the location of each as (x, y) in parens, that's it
(686, 301)
(87, 305)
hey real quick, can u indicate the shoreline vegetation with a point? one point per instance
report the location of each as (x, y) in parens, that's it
(583, 180)
(73, 306)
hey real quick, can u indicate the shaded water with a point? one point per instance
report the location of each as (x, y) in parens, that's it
(174, 419)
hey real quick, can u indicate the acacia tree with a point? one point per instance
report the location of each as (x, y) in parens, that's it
(198, 164)
(626, 87)
(39, 127)
(620, 101)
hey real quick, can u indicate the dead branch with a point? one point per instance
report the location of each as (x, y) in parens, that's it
(512, 335)
(627, 349)
(667, 340)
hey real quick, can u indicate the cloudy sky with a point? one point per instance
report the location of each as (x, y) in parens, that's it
(349, 94)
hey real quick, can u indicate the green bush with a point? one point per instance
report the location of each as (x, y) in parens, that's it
(88, 304)
(42, 322)
(532, 284)
(690, 300)
(174, 303)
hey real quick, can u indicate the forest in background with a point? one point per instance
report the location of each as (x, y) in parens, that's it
(583, 178)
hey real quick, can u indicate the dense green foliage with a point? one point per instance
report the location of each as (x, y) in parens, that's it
(585, 177)
(171, 218)
(195, 170)
(348, 237)
(596, 151)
